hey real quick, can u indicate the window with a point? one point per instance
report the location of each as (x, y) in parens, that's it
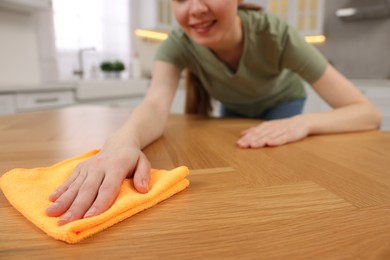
(80, 24)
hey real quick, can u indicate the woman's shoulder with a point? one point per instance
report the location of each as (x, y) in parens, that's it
(175, 49)
(261, 20)
(178, 35)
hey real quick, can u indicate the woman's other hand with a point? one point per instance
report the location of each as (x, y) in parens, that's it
(274, 133)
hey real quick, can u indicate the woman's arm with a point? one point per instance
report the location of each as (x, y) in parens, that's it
(94, 184)
(352, 111)
(147, 122)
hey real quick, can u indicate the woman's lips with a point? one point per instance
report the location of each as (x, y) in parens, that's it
(203, 27)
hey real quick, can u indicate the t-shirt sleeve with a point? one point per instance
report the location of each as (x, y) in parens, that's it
(301, 57)
(172, 50)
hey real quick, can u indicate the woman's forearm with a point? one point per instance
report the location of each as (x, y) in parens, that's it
(354, 117)
(352, 111)
(145, 124)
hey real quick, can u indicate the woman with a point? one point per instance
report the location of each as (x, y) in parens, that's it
(248, 60)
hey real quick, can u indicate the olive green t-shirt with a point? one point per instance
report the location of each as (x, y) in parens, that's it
(274, 61)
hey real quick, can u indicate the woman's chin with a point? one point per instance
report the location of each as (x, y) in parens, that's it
(206, 41)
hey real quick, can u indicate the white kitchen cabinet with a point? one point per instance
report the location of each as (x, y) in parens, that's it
(379, 95)
(25, 5)
(307, 16)
(126, 102)
(314, 103)
(262, 3)
(160, 16)
(112, 93)
(377, 91)
(7, 104)
(31, 101)
(165, 18)
(111, 89)
(178, 102)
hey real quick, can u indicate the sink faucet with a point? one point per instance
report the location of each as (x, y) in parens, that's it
(80, 71)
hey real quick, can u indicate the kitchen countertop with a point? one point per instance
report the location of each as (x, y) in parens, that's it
(326, 197)
(47, 86)
(372, 82)
(121, 87)
(98, 89)
(86, 90)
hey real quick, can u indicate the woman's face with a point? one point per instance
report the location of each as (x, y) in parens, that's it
(207, 22)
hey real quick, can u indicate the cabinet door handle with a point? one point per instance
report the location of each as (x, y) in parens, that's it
(47, 100)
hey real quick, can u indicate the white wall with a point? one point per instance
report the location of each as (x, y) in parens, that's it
(19, 58)
(359, 49)
(146, 50)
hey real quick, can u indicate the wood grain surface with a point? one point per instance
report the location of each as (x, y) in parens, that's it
(326, 197)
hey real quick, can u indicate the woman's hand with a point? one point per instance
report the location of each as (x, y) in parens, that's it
(274, 133)
(93, 186)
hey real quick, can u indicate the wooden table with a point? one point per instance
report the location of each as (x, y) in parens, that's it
(324, 197)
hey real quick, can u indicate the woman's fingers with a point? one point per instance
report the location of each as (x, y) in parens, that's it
(273, 133)
(63, 202)
(61, 189)
(255, 137)
(110, 186)
(85, 198)
(142, 174)
(265, 141)
(108, 191)
(278, 140)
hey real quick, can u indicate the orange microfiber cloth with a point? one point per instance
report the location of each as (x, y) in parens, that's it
(28, 191)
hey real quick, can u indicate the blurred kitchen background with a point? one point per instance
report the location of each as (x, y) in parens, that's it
(53, 52)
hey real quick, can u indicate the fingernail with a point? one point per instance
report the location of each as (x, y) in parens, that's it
(145, 183)
(53, 206)
(54, 195)
(67, 216)
(90, 213)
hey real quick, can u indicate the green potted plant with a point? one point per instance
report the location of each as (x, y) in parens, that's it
(112, 69)
(105, 66)
(118, 66)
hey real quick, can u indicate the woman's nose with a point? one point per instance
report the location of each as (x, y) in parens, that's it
(198, 7)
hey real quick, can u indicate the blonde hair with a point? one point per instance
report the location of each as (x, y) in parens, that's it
(198, 100)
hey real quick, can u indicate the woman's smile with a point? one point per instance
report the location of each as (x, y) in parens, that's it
(209, 23)
(203, 26)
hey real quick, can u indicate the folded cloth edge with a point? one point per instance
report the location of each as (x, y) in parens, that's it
(74, 236)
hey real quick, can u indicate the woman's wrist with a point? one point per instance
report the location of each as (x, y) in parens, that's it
(304, 121)
(120, 140)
